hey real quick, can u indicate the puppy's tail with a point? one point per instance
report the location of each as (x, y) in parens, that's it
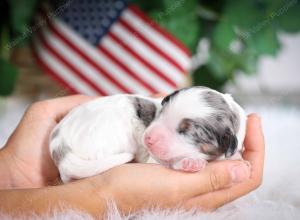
(74, 167)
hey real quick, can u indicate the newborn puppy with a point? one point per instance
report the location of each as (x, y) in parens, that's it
(183, 131)
(196, 125)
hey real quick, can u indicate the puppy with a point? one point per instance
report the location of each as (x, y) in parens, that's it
(182, 131)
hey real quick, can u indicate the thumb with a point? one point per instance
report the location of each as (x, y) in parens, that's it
(217, 175)
(221, 175)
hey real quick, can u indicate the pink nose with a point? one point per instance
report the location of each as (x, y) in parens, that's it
(150, 139)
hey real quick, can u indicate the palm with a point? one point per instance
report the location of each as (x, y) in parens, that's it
(32, 155)
(28, 145)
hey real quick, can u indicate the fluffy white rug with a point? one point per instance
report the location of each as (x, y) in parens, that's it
(277, 198)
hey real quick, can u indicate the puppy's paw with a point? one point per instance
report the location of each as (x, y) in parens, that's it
(190, 164)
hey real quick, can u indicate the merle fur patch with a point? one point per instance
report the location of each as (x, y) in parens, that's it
(60, 153)
(210, 135)
(145, 110)
(224, 114)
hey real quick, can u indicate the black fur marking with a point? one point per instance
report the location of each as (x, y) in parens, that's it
(145, 110)
(169, 97)
(228, 143)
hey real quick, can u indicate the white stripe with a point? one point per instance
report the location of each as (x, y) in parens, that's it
(61, 70)
(157, 38)
(100, 58)
(89, 71)
(148, 53)
(135, 65)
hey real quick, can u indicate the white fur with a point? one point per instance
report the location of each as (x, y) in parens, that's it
(97, 138)
(106, 132)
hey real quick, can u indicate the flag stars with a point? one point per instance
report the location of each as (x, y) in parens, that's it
(112, 13)
(119, 4)
(91, 9)
(92, 18)
(105, 22)
(86, 35)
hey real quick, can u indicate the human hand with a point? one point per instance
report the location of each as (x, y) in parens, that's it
(135, 186)
(25, 159)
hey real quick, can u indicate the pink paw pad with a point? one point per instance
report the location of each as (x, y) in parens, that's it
(192, 164)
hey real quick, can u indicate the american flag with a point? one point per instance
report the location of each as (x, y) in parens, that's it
(105, 47)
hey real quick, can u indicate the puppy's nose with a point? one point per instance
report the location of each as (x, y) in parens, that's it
(150, 139)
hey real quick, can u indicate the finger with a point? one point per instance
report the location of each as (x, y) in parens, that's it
(254, 146)
(216, 176)
(254, 153)
(57, 108)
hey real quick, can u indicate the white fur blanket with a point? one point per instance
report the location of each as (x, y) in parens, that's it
(277, 198)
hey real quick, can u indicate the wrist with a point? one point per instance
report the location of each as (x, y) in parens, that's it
(106, 190)
(90, 196)
(6, 178)
(77, 196)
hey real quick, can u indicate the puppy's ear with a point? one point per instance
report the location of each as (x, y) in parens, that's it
(228, 143)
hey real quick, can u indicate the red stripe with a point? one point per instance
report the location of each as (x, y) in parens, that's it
(52, 74)
(163, 32)
(89, 60)
(136, 33)
(142, 60)
(69, 65)
(126, 69)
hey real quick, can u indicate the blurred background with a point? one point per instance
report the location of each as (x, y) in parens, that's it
(250, 49)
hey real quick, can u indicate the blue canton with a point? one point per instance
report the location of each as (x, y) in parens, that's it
(92, 18)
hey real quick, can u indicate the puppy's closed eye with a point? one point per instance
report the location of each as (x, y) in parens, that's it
(184, 126)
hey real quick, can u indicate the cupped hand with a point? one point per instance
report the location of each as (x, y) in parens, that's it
(26, 153)
(134, 186)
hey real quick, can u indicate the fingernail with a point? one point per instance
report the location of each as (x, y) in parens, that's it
(241, 172)
(258, 119)
(257, 116)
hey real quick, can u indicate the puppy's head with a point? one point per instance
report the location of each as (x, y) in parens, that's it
(196, 121)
